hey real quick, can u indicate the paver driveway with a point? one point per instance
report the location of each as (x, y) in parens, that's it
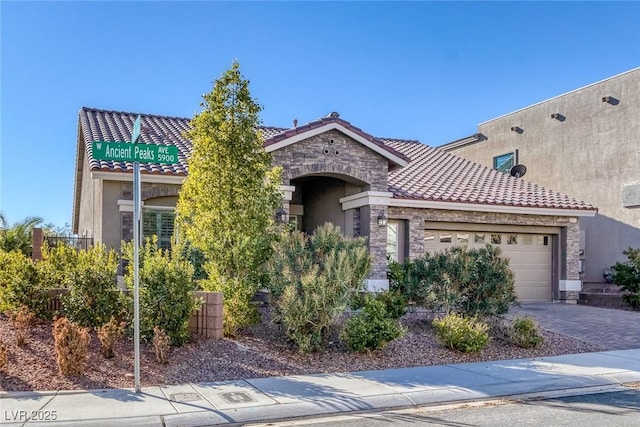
(610, 328)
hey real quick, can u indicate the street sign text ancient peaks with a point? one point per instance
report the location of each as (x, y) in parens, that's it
(128, 152)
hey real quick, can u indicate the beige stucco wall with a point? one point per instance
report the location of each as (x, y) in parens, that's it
(90, 207)
(591, 155)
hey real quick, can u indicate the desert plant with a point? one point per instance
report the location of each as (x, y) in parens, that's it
(161, 344)
(20, 284)
(372, 329)
(466, 334)
(108, 334)
(93, 296)
(524, 333)
(627, 276)
(21, 321)
(4, 355)
(166, 291)
(313, 280)
(71, 345)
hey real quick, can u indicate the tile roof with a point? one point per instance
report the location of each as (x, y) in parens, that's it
(431, 174)
(436, 175)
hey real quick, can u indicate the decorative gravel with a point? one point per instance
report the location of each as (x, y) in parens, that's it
(259, 351)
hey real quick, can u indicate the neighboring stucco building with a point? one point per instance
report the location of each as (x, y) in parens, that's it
(584, 143)
(405, 197)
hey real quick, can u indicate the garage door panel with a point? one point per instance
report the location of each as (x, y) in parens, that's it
(529, 257)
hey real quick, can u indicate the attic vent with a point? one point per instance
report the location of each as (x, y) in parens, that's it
(325, 151)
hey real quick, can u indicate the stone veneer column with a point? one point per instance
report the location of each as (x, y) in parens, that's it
(416, 237)
(377, 249)
(571, 285)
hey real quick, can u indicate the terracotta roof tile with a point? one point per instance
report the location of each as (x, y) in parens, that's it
(437, 175)
(431, 174)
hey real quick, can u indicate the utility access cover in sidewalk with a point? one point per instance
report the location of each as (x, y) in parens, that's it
(237, 397)
(185, 397)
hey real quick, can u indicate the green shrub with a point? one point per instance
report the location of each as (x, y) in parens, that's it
(627, 276)
(20, 284)
(372, 329)
(166, 290)
(58, 266)
(92, 296)
(524, 333)
(394, 302)
(476, 282)
(313, 279)
(466, 334)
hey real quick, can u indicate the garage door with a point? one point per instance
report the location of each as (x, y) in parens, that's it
(529, 256)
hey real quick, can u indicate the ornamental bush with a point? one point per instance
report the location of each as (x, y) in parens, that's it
(20, 284)
(92, 296)
(466, 334)
(313, 280)
(475, 282)
(166, 291)
(373, 328)
(524, 333)
(627, 276)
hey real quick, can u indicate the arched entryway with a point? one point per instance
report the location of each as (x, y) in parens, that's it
(317, 199)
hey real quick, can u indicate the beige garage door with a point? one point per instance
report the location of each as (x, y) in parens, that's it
(529, 256)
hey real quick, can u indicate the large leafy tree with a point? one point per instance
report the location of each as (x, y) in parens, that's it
(228, 200)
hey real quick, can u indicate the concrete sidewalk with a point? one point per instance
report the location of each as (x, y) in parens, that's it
(264, 399)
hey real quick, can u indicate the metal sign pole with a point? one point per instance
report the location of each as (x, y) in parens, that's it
(136, 252)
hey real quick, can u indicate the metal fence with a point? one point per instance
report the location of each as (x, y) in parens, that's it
(80, 243)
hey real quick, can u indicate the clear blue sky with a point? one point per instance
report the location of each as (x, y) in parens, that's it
(419, 70)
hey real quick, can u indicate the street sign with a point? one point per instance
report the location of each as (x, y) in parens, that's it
(128, 152)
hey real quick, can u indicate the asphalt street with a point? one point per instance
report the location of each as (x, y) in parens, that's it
(618, 408)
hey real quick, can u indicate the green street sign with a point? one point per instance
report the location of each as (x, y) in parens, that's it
(128, 152)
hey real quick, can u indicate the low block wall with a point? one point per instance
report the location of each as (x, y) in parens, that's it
(207, 321)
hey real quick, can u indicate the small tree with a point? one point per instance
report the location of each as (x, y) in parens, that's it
(227, 202)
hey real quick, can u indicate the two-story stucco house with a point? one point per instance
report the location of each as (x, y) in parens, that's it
(583, 143)
(405, 197)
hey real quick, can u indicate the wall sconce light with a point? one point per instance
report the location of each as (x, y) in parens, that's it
(610, 100)
(382, 218)
(559, 117)
(517, 129)
(281, 216)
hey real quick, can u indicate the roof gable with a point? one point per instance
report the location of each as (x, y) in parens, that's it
(334, 122)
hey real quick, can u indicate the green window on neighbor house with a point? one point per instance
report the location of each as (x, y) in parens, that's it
(504, 162)
(159, 223)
